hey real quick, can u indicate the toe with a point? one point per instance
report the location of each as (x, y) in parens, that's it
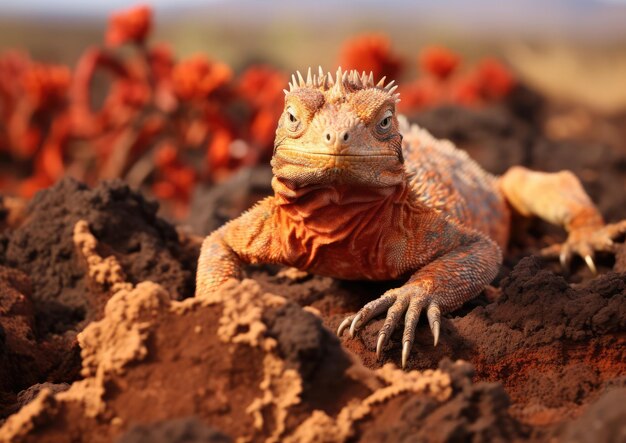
(371, 310)
(394, 314)
(410, 324)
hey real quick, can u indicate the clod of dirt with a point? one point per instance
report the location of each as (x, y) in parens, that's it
(28, 395)
(18, 356)
(126, 226)
(24, 360)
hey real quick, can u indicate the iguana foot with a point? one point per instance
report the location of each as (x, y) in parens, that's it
(585, 242)
(397, 302)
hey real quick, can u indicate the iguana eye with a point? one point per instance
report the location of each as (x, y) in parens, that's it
(291, 116)
(385, 123)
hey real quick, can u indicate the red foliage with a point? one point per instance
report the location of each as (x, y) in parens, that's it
(174, 180)
(166, 124)
(129, 26)
(197, 77)
(494, 80)
(439, 61)
(371, 52)
(445, 82)
(262, 88)
(46, 85)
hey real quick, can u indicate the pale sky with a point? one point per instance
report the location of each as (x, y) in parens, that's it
(576, 17)
(89, 7)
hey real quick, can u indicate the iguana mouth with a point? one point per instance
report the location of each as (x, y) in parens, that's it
(305, 153)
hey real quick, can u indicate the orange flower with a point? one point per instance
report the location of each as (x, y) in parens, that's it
(46, 85)
(439, 61)
(197, 77)
(494, 80)
(371, 52)
(129, 26)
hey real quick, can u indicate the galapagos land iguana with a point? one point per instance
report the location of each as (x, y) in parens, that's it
(361, 194)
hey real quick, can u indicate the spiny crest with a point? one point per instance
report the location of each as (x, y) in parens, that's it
(342, 83)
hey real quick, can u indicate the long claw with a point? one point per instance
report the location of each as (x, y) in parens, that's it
(356, 320)
(434, 320)
(379, 344)
(591, 265)
(406, 349)
(435, 330)
(410, 323)
(344, 324)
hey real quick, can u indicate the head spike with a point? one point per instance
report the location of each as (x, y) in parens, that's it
(320, 71)
(309, 80)
(357, 80)
(392, 90)
(381, 82)
(338, 75)
(344, 77)
(338, 90)
(370, 80)
(389, 85)
(300, 79)
(294, 82)
(285, 91)
(329, 79)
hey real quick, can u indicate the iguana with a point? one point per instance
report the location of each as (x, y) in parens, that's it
(361, 194)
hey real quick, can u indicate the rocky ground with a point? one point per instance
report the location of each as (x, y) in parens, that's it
(101, 339)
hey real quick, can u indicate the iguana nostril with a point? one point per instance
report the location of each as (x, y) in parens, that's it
(327, 136)
(346, 136)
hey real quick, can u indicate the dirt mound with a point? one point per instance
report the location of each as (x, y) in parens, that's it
(250, 374)
(126, 225)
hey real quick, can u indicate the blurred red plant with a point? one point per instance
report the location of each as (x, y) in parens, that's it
(371, 52)
(141, 115)
(197, 77)
(445, 81)
(439, 61)
(130, 26)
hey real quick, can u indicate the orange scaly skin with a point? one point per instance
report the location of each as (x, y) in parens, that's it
(359, 194)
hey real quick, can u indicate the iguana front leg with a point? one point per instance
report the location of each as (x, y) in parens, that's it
(250, 238)
(456, 274)
(560, 199)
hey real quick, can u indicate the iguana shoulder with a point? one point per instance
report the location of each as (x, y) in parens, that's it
(445, 178)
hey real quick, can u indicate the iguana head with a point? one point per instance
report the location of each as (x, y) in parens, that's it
(340, 130)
